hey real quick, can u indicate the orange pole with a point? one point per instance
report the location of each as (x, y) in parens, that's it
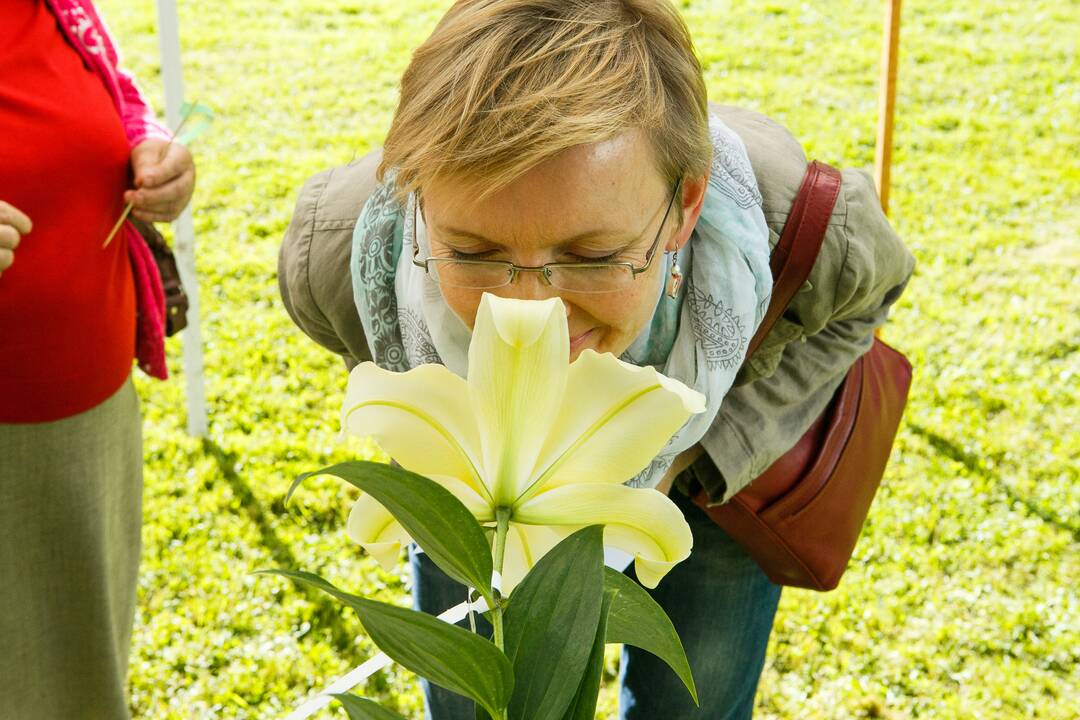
(887, 102)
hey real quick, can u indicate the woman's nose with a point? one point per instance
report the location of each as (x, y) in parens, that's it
(529, 285)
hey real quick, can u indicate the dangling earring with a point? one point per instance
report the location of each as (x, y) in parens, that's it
(675, 280)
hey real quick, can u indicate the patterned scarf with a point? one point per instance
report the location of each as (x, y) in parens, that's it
(699, 337)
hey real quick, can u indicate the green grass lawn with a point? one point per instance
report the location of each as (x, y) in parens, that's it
(961, 601)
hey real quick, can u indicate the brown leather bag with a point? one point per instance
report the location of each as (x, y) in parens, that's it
(801, 518)
(176, 300)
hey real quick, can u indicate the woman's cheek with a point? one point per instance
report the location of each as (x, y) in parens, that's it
(632, 313)
(464, 303)
(618, 317)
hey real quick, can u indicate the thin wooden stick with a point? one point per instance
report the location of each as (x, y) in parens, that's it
(887, 102)
(123, 217)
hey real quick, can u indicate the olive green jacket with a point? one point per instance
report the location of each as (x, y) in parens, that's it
(860, 272)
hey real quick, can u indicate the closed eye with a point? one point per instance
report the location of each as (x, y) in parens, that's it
(574, 257)
(456, 254)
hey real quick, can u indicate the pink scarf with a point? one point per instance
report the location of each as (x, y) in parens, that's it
(87, 33)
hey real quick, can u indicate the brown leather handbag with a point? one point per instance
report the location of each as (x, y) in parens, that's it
(801, 518)
(176, 300)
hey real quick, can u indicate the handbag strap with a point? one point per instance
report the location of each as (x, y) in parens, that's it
(795, 254)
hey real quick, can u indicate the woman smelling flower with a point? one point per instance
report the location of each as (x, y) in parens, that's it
(544, 150)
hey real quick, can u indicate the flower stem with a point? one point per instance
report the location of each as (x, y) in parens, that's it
(502, 520)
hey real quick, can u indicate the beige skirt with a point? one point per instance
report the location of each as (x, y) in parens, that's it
(70, 519)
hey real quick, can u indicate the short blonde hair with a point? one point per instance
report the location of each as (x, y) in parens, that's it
(502, 85)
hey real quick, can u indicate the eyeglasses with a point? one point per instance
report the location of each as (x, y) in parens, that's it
(576, 277)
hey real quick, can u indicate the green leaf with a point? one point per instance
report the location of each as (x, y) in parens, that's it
(583, 706)
(430, 513)
(636, 619)
(551, 622)
(360, 708)
(443, 653)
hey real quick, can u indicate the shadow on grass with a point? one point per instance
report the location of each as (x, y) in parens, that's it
(327, 613)
(975, 465)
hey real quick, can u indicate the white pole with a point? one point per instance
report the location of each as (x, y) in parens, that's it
(183, 228)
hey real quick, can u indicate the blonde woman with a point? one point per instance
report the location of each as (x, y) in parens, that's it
(566, 148)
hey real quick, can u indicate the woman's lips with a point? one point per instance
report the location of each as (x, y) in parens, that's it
(577, 342)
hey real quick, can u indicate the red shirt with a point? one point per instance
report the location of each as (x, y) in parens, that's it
(67, 306)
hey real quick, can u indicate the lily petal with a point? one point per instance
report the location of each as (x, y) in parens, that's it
(614, 419)
(420, 418)
(643, 522)
(517, 374)
(375, 529)
(525, 544)
(471, 499)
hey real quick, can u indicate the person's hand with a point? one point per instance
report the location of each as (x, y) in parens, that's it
(164, 180)
(13, 225)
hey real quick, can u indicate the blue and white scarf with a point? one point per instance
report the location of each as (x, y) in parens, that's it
(699, 337)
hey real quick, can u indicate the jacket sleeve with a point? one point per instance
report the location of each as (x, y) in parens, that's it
(313, 262)
(139, 119)
(829, 325)
(140, 122)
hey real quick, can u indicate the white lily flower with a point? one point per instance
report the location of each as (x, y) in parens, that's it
(550, 440)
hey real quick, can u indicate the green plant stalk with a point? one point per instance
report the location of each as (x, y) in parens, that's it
(502, 520)
(502, 526)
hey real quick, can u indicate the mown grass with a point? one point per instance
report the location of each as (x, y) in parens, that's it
(961, 601)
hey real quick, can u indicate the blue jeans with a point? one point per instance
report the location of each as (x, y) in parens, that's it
(721, 604)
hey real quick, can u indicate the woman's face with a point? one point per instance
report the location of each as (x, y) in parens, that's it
(598, 202)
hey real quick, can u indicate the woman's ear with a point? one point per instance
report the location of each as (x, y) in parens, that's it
(693, 199)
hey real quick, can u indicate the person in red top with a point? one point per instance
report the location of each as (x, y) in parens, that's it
(75, 147)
